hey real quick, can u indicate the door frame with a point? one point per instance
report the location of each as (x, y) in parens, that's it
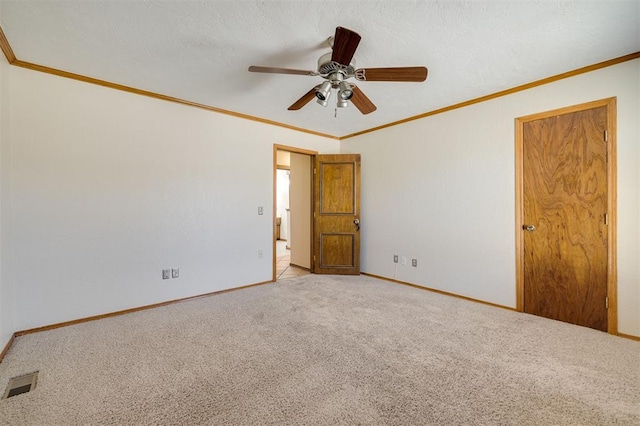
(612, 273)
(312, 154)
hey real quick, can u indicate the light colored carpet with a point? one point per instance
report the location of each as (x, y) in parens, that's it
(325, 351)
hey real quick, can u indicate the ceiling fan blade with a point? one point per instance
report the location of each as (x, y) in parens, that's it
(273, 70)
(416, 74)
(305, 99)
(361, 101)
(345, 44)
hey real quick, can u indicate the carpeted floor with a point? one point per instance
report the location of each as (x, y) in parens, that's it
(325, 350)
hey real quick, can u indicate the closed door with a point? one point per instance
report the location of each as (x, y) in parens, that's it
(564, 220)
(337, 214)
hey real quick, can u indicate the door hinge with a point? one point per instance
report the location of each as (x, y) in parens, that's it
(606, 302)
(606, 218)
(314, 170)
(606, 136)
(314, 257)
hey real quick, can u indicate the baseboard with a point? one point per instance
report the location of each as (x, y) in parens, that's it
(624, 336)
(299, 267)
(7, 346)
(157, 305)
(629, 336)
(445, 293)
(118, 313)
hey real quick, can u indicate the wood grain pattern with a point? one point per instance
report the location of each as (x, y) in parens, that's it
(275, 70)
(361, 101)
(565, 197)
(345, 43)
(305, 99)
(408, 74)
(337, 250)
(612, 188)
(337, 188)
(629, 336)
(336, 206)
(6, 48)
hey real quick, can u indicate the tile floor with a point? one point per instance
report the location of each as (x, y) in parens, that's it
(283, 257)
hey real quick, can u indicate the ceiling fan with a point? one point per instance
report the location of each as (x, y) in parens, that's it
(338, 66)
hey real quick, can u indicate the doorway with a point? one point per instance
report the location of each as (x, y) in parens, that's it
(565, 215)
(293, 198)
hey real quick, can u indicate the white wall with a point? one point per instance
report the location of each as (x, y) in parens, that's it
(6, 326)
(108, 188)
(102, 189)
(441, 189)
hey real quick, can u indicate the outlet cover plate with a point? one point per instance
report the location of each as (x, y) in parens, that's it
(414, 263)
(395, 258)
(166, 274)
(404, 260)
(175, 272)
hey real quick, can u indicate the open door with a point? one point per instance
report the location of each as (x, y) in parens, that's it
(337, 214)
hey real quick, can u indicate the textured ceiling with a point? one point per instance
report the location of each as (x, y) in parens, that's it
(200, 50)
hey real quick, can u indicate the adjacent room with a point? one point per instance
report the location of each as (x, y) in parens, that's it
(337, 212)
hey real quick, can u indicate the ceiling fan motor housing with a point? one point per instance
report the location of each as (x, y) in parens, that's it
(327, 66)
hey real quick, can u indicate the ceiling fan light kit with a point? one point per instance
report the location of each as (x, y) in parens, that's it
(345, 93)
(324, 92)
(337, 66)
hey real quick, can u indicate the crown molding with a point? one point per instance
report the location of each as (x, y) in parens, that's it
(506, 92)
(13, 60)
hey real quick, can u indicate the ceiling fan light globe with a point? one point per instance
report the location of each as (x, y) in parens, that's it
(324, 92)
(342, 103)
(344, 91)
(346, 95)
(322, 102)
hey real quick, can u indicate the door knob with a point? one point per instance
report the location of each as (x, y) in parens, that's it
(529, 228)
(357, 222)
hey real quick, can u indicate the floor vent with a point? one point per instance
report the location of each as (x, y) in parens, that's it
(21, 384)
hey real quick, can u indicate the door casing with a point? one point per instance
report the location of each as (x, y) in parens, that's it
(610, 104)
(292, 149)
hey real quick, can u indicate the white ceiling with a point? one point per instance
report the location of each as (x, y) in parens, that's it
(200, 50)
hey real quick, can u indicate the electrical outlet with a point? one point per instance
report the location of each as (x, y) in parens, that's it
(175, 272)
(260, 254)
(414, 263)
(404, 260)
(395, 258)
(260, 210)
(166, 274)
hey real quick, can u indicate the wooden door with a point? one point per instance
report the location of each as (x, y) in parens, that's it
(565, 215)
(337, 214)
